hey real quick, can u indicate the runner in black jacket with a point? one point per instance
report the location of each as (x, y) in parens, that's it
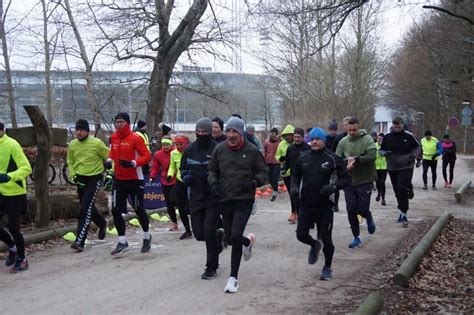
(314, 181)
(202, 204)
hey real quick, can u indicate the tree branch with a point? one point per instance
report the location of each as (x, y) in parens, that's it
(465, 18)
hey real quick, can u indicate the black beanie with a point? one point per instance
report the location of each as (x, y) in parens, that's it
(274, 130)
(82, 124)
(299, 131)
(123, 116)
(428, 133)
(141, 124)
(164, 129)
(219, 121)
(2, 126)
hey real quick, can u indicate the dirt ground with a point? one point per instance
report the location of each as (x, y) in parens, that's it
(277, 279)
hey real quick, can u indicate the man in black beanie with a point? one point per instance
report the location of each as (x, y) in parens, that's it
(85, 161)
(217, 130)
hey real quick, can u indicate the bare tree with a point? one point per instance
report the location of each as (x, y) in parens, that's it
(6, 58)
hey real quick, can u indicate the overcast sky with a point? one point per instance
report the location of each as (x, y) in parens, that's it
(396, 18)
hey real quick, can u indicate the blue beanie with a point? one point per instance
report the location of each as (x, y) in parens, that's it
(317, 133)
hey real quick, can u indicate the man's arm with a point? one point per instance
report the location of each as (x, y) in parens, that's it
(22, 163)
(296, 176)
(143, 152)
(369, 155)
(344, 179)
(102, 149)
(261, 170)
(213, 169)
(70, 160)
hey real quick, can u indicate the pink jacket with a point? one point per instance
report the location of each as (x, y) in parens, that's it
(269, 150)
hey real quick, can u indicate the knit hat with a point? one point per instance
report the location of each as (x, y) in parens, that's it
(181, 139)
(398, 120)
(299, 131)
(82, 124)
(317, 133)
(219, 121)
(428, 133)
(204, 123)
(333, 125)
(141, 124)
(274, 130)
(164, 128)
(250, 128)
(2, 126)
(235, 123)
(123, 116)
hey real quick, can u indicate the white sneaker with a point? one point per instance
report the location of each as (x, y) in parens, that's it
(232, 285)
(248, 249)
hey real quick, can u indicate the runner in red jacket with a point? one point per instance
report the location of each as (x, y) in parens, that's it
(128, 153)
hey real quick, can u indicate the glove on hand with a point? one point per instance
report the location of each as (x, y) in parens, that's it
(127, 164)
(108, 164)
(328, 189)
(188, 180)
(388, 153)
(215, 190)
(169, 178)
(4, 178)
(78, 183)
(434, 156)
(418, 163)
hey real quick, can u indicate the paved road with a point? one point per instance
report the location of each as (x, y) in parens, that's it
(276, 280)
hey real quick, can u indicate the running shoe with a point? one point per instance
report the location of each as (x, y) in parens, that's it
(326, 273)
(209, 274)
(11, 258)
(292, 218)
(186, 235)
(405, 221)
(232, 285)
(173, 227)
(220, 240)
(146, 245)
(377, 198)
(314, 252)
(450, 185)
(248, 249)
(77, 247)
(400, 219)
(356, 242)
(20, 265)
(371, 226)
(445, 184)
(274, 196)
(434, 188)
(120, 249)
(425, 187)
(383, 203)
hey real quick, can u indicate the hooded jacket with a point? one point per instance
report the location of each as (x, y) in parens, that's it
(237, 172)
(315, 169)
(14, 163)
(280, 154)
(127, 145)
(403, 147)
(363, 149)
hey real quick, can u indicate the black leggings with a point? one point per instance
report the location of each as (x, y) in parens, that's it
(87, 191)
(323, 217)
(235, 214)
(358, 202)
(180, 199)
(426, 165)
(121, 189)
(204, 215)
(169, 203)
(13, 207)
(273, 175)
(295, 201)
(380, 184)
(451, 170)
(401, 183)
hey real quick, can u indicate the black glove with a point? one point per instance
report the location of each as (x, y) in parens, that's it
(283, 171)
(418, 163)
(127, 164)
(434, 156)
(188, 180)
(4, 178)
(215, 190)
(328, 189)
(78, 183)
(388, 153)
(108, 164)
(169, 178)
(282, 158)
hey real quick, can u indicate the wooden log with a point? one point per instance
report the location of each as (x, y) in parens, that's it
(462, 190)
(372, 304)
(409, 265)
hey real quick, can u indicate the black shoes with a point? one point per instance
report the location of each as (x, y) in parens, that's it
(11, 258)
(101, 233)
(220, 240)
(120, 249)
(186, 235)
(314, 252)
(77, 247)
(209, 274)
(377, 198)
(146, 245)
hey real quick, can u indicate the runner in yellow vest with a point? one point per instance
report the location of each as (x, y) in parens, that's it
(381, 167)
(430, 148)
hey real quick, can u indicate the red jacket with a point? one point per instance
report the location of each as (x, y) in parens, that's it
(161, 160)
(270, 149)
(126, 145)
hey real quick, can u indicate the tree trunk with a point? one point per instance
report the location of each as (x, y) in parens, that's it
(43, 140)
(8, 73)
(47, 64)
(158, 90)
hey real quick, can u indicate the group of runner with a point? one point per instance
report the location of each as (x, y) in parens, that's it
(214, 179)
